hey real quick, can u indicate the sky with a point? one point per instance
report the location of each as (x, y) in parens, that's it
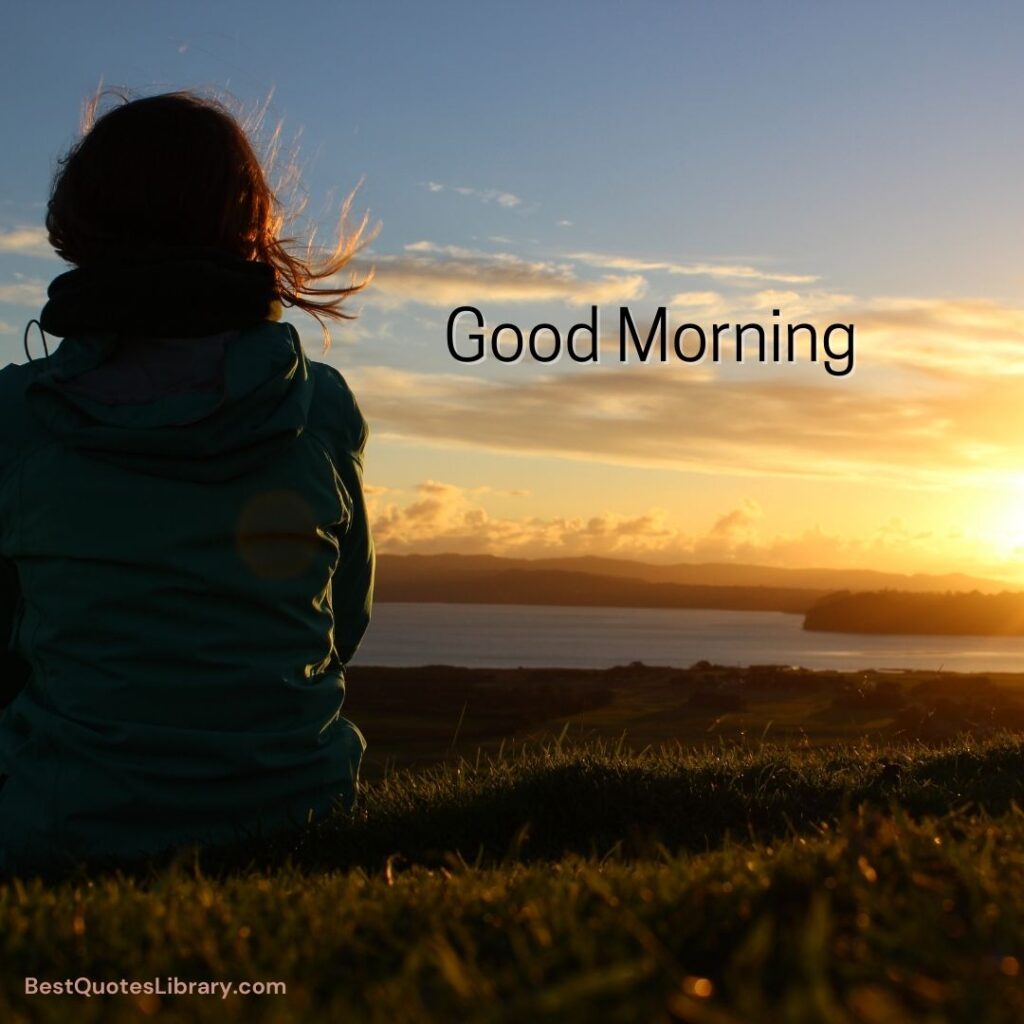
(850, 163)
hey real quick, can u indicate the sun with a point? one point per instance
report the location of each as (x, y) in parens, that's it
(1001, 524)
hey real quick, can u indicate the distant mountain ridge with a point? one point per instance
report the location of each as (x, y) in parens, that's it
(408, 574)
(586, 589)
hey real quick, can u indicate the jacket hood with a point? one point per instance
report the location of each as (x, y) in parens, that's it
(257, 405)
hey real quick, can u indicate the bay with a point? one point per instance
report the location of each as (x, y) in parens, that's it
(509, 636)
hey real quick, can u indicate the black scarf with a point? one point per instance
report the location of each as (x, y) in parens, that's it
(170, 291)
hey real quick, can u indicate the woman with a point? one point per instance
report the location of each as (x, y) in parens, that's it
(185, 562)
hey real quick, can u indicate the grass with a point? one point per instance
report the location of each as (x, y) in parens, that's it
(412, 715)
(566, 883)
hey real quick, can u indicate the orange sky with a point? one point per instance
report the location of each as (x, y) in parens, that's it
(910, 463)
(850, 162)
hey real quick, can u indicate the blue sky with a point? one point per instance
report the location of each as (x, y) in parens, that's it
(863, 158)
(843, 136)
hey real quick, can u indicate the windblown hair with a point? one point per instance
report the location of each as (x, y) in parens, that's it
(179, 169)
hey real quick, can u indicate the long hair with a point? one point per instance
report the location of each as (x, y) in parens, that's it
(179, 169)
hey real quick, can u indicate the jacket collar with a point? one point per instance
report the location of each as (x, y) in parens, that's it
(167, 291)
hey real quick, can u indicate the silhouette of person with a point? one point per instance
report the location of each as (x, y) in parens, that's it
(185, 561)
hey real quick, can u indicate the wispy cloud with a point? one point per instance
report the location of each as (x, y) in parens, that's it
(450, 276)
(667, 417)
(24, 292)
(696, 300)
(957, 338)
(725, 271)
(484, 195)
(935, 402)
(26, 241)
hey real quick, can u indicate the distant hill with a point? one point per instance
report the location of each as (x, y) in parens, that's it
(890, 611)
(582, 589)
(597, 581)
(719, 574)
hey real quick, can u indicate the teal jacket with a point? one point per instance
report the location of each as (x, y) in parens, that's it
(182, 581)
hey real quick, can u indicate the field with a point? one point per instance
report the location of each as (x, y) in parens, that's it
(841, 860)
(414, 717)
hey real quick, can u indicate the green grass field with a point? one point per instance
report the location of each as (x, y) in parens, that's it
(745, 882)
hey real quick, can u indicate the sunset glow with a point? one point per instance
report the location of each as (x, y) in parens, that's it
(822, 204)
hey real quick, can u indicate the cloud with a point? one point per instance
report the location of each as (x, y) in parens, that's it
(24, 292)
(771, 299)
(738, 523)
(726, 271)
(961, 338)
(443, 517)
(704, 301)
(935, 401)
(775, 423)
(484, 195)
(26, 241)
(449, 276)
(953, 338)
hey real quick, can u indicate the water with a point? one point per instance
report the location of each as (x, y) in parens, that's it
(507, 636)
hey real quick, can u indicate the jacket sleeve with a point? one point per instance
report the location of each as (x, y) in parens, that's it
(14, 670)
(340, 423)
(352, 586)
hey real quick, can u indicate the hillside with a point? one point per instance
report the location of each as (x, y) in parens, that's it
(887, 611)
(611, 581)
(560, 587)
(861, 884)
(414, 717)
